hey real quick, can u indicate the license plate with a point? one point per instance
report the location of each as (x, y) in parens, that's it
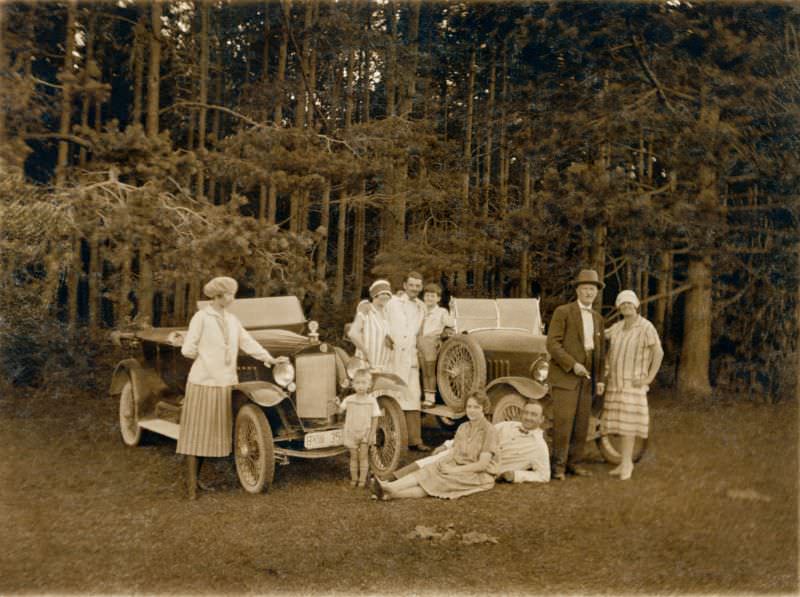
(323, 439)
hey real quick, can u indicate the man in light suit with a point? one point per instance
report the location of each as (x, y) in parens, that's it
(576, 346)
(405, 313)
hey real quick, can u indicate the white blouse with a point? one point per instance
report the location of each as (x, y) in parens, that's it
(214, 344)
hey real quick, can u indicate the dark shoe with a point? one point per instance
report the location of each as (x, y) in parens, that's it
(421, 448)
(375, 489)
(558, 476)
(579, 471)
(204, 486)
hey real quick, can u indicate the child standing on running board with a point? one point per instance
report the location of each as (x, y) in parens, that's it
(360, 424)
(436, 319)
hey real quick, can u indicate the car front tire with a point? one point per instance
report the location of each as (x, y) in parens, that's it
(129, 428)
(391, 438)
(253, 449)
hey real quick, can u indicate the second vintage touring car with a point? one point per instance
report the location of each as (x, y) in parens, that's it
(284, 412)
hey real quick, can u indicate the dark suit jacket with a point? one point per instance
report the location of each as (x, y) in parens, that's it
(565, 345)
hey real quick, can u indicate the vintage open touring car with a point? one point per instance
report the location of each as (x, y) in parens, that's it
(284, 412)
(500, 345)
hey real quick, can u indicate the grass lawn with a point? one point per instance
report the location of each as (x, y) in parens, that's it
(82, 513)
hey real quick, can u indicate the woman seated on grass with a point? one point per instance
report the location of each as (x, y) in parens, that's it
(463, 473)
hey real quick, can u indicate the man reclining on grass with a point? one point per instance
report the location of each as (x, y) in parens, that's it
(522, 455)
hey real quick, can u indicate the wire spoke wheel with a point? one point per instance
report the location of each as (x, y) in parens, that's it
(253, 449)
(391, 438)
(508, 408)
(461, 368)
(129, 427)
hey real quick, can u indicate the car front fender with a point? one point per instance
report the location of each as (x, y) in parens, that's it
(147, 384)
(262, 393)
(525, 386)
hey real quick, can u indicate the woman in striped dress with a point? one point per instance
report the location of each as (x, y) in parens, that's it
(632, 362)
(370, 329)
(214, 339)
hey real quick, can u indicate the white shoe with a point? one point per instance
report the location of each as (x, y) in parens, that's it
(626, 472)
(616, 471)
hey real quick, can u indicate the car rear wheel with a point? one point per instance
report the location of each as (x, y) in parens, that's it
(508, 408)
(254, 455)
(129, 427)
(461, 368)
(609, 446)
(391, 438)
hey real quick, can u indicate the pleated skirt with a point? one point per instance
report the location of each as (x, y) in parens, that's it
(625, 413)
(206, 421)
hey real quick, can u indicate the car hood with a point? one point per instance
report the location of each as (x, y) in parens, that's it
(278, 342)
(509, 340)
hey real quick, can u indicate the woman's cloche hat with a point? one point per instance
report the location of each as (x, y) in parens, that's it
(588, 276)
(380, 287)
(220, 285)
(627, 296)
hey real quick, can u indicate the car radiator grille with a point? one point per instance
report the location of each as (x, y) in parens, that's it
(316, 384)
(497, 368)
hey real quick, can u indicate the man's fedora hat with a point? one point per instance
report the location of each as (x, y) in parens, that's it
(588, 276)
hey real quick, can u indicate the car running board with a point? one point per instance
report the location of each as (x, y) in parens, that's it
(161, 427)
(318, 453)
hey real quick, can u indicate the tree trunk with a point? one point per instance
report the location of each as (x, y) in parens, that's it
(693, 377)
(663, 291)
(138, 68)
(87, 99)
(144, 293)
(302, 92)
(325, 220)
(407, 104)
(468, 132)
(95, 280)
(272, 204)
(153, 70)
(524, 264)
(280, 76)
(391, 57)
(341, 245)
(3, 69)
(365, 72)
(201, 120)
(66, 94)
(215, 121)
(504, 153)
(123, 311)
(359, 230)
(349, 106)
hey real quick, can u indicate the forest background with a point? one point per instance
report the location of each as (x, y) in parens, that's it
(309, 147)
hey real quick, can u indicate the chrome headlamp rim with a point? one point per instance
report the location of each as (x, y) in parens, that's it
(283, 374)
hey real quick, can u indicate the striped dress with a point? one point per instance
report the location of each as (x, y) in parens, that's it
(372, 327)
(629, 357)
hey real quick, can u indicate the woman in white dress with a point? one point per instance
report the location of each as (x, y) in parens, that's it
(213, 341)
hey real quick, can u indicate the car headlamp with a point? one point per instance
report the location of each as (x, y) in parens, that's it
(283, 374)
(540, 369)
(313, 327)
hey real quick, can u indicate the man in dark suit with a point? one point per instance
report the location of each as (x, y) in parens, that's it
(575, 344)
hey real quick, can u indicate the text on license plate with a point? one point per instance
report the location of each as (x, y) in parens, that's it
(323, 439)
